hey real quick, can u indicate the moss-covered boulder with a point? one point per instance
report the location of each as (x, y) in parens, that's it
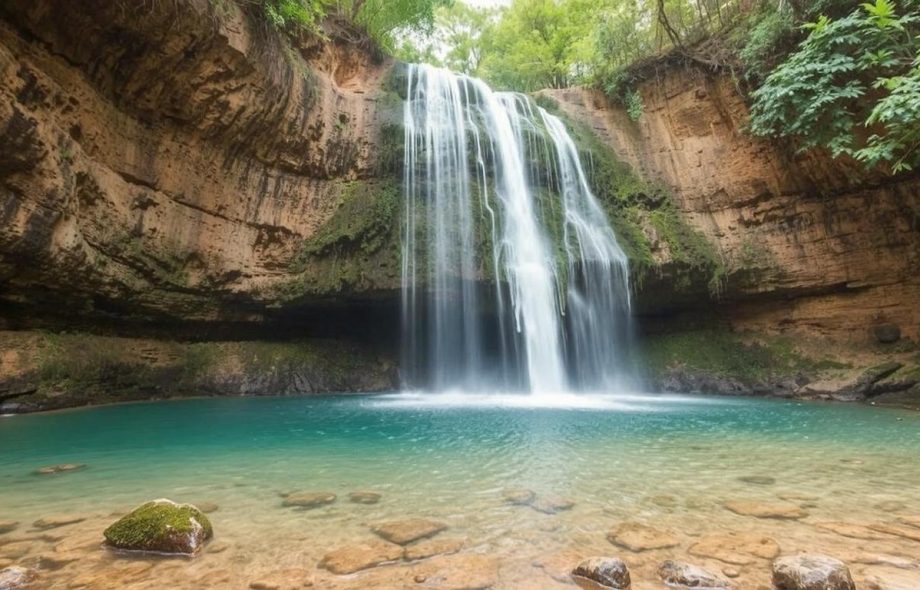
(161, 526)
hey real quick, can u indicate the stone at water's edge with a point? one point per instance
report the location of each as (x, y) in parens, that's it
(811, 572)
(677, 574)
(16, 578)
(161, 526)
(606, 572)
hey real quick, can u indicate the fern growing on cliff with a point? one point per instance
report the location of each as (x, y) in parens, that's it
(852, 87)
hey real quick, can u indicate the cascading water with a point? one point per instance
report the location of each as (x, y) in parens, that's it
(512, 275)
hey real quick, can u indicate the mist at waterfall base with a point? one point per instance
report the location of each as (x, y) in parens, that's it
(513, 280)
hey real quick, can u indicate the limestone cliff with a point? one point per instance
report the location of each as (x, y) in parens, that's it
(807, 248)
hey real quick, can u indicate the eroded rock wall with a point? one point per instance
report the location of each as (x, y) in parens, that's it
(807, 245)
(173, 160)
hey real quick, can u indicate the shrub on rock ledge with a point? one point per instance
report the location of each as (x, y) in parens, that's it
(161, 526)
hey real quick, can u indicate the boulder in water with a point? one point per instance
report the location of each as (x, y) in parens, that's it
(811, 572)
(161, 526)
(603, 572)
(677, 574)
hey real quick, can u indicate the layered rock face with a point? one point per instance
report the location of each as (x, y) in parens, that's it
(807, 245)
(175, 161)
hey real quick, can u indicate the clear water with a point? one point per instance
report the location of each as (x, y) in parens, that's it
(512, 274)
(665, 461)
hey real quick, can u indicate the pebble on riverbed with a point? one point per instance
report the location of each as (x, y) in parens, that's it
(308, 500)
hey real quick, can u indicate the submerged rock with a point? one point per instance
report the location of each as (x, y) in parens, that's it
(406, 531)
(62, 468)
(606, 572)
(552, 504)
(677, 574)
(16, 578)
(354, 558)
(7, 526)
(760, 480)
(308, 500)
(207, 507)
(431, 547)
(898, 530)
(458, 572)
(782, 511)
(639, 537)
(161, 526)
(53, 522)
(736, 548)
(364, 497)
(518, 496)
(811, 572)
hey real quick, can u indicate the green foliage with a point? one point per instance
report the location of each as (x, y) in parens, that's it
(294, 15)
(761, 39)
(386, 21)
(850, 73)
(634, 105)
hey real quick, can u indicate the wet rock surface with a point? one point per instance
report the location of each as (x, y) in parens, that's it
(639, 537)
(308, 500)
(606, 572)
(458, 572)
(7, 526)
(53, 522)
(286, 579)
(406, 531)
(161, 526)
(735, 548)
(811, 572)
(364, 497)
(678, 574)
(360, 556)
(782, 511)
(17, 578)
(62, 468)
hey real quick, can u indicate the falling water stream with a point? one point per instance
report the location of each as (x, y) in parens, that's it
(512, 275)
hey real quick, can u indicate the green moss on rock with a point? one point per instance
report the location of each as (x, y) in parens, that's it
(161, 526)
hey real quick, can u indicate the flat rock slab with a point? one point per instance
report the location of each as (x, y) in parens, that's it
(603, 572)
(354, 558)
(406, 531)
(811, 572)
(287, 579)
(781, 511)
(62, 468)
(678, 574)
(899, 530)
(53, 522)
(851, 530)
(457, 572)
(736, 548)
(308, 500)
(7, 526)
(552, 504)
(431, 547)
(364, 497)
(639, 537)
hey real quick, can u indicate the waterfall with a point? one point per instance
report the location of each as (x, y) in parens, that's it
(512, 276)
